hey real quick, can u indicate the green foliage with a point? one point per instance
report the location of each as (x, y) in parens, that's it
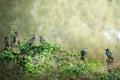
(51, 61)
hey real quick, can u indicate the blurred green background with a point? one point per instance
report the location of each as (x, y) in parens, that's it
(94, 24)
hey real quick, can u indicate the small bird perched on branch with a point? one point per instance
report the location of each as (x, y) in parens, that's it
(42, 39)
(7, 42)
(32, 40)
(16, 38)
(109, 56)
(83, 53)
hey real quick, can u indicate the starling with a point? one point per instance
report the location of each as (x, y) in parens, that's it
(83, 52)
(42, 39)
(16, 38)
(109, 55)
(7, 42)
(32, 40)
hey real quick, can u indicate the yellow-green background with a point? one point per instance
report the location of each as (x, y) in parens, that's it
(94, 24)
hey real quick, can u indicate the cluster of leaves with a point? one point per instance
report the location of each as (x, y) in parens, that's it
(51, 61)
